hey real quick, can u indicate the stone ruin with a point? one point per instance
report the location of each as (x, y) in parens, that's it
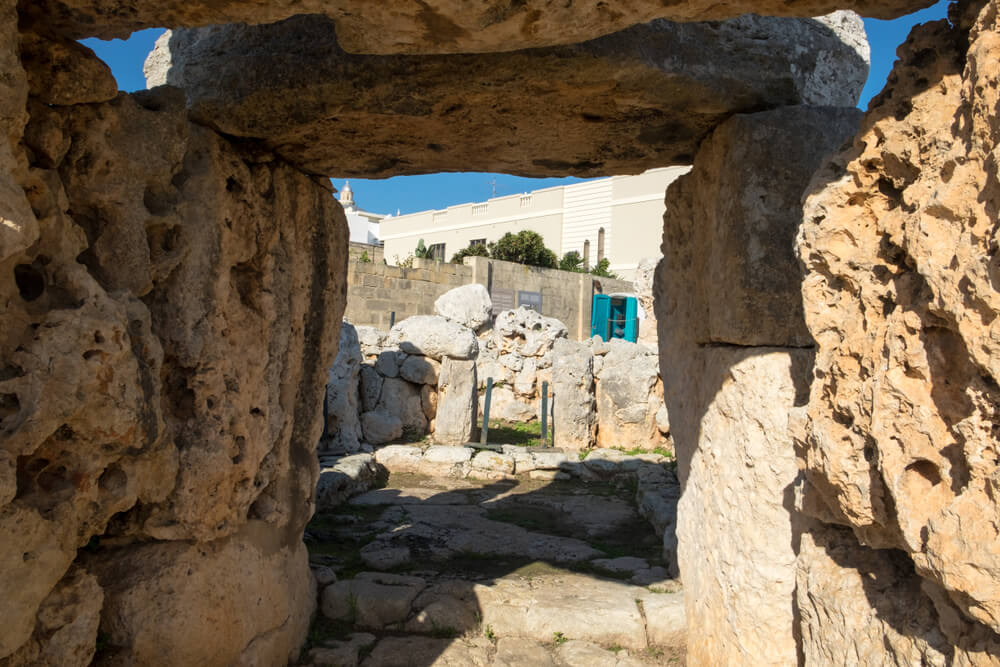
(174, 286)
(427, 377)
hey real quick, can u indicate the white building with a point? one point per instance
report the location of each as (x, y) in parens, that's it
(620, 218)
(363, 224)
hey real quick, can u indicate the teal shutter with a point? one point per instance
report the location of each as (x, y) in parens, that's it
(600, 312)
(631, 319)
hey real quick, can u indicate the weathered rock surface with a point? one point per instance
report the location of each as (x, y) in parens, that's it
(524, 332)
(64, 72)
(181, 604)
(166, 334)
(349, 476)
(645, 274)
(456, 403)
(468, 305)
(435, 337)
(380, 426)
(408, 651)
(420, 370)
(640, 98)
(865, 603)
(730, 405)
(576, 606)
(439, 26)
(901, 296)
(402, 399)
(628, 398)
(66, 626)
(574, 420)
(372, 599)
(342, 433)
(749, 293)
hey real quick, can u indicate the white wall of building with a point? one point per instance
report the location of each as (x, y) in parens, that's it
(628, 208)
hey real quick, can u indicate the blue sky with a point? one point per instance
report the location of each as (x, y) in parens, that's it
(418, 193)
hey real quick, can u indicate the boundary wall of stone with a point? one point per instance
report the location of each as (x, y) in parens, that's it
(376, 290)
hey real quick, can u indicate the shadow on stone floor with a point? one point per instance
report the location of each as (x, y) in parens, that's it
(434, 571)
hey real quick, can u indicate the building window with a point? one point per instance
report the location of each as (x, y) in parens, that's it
(477, 242)
(436, 252)
(600, 244)
(479, 209)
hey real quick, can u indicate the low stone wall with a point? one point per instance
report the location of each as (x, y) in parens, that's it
(604, 394)
(375, 253)
(375, 290)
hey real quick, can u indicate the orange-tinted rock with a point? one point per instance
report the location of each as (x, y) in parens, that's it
(901, 296)
(164, 355)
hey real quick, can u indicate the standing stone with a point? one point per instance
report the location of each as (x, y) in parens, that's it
(457, 402)
(343, 429)
(468, 305)
(402, 399)
(370, 387)
(644, 274)
(731, 331)
(575, 419)
(625, 393)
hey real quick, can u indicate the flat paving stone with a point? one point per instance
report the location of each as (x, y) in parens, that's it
(430, 652)
(514, 652)
(446, 531)
(576, 606)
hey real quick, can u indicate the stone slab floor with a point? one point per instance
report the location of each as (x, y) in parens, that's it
(516, 572)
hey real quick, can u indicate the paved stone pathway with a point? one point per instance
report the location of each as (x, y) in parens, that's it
(514, 572)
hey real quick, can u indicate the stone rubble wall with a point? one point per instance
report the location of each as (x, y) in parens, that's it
(415, 382)
(900, 442)
(732, 335)
(376, 290)
(169, 307)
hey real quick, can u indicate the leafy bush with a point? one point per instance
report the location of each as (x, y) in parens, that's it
(571, 261)
(602, 269)
(473, 250)
(525, 247)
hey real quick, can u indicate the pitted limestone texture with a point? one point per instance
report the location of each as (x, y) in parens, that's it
(641, 98)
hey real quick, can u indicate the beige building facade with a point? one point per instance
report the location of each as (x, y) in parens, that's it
(620, 218)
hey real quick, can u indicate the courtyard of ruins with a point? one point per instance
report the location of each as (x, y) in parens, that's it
(202, 463)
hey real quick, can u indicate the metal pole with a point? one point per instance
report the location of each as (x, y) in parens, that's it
(552, 413)
(486, 412)
(392, 319)
(545, 413)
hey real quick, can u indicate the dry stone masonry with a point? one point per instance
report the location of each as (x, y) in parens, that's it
(172, 302)
(173, 284)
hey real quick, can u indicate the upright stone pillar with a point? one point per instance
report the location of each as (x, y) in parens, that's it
(457, 401)
(574, 411)
(736, 360)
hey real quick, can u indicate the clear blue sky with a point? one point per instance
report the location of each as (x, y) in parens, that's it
(418, 193)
